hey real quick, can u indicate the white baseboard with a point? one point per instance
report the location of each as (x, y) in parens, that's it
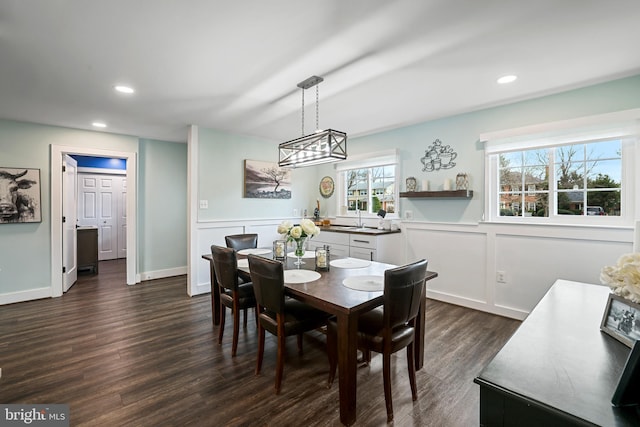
(28, 295)
(161, 274)
(477, 305)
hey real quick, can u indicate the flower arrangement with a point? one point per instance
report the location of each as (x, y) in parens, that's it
(624, 277)
(298, 233)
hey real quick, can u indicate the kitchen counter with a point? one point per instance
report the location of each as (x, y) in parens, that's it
(352, 229)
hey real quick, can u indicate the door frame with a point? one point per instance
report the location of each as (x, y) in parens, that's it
(57, 151)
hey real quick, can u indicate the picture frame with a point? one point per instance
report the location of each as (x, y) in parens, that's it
(327, 186)
(265, 180)
(20, 195)
(627, 391)
(621, 320)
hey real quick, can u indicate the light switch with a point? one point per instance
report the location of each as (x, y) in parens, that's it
(204, 204)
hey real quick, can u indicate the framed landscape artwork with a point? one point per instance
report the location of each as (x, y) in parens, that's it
(19, 195)
(265, 180)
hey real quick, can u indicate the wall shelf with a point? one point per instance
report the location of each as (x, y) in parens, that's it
(458, 194)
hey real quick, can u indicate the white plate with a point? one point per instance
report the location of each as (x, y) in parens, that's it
(350, 263)
(243, 263)
(307, 254)
(300, 276)
(365, 283)
(254, 251)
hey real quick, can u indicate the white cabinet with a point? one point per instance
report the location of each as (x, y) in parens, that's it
(381, 247)
(363, 246)
(339, 243)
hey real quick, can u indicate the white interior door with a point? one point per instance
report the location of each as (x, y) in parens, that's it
(102, 204)
(69, 221)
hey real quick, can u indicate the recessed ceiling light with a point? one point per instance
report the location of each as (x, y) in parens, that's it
(99, 124)
(124, 89)
(507, 79)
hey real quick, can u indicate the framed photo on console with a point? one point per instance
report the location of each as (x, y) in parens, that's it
(621, 320)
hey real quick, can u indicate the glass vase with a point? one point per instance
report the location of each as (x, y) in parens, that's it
(299, 252)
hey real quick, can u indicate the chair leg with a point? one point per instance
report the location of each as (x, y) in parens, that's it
(236, 327)
(260, 348)
(386, 370)
(223, 315)
(245, 319)
(332, 353)
(281, 347)
(300, 344)
(412, 372)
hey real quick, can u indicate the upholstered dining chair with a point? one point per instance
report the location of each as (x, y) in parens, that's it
(241, 241)
(280, 315)
(235, 295)
(389, 328)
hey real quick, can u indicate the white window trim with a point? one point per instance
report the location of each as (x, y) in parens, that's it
(362, 161)
(624, 125)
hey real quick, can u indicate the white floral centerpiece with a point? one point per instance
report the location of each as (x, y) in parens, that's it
(298, 233)
(624, 277)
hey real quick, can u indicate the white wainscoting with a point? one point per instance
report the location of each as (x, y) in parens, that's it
(467, 257)
(213, 232)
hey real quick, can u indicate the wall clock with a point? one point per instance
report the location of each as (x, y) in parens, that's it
(326, 187)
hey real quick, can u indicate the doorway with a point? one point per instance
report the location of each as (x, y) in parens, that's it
(57, 153)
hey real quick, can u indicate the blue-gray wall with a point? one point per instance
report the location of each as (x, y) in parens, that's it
(25, 249)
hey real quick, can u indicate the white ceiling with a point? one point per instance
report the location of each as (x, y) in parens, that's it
(234, 65)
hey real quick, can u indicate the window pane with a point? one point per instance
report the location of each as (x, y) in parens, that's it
(604, 174)
(570, 202)
(370, 189)
(569, 153)
(510, 204)
(535, 178)
(510, 159)
(601, 203)
(536, 157)
(510, 179)
(570, 175)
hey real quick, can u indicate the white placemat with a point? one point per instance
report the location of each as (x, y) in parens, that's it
(254, 251)
(307, 254)
(243, 263)
(365, 283)
(300, 276)
(350, 263)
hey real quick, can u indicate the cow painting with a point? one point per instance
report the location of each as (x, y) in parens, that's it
(19, 195)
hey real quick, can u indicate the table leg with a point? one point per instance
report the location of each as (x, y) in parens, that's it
(419, 338)
(347, 366)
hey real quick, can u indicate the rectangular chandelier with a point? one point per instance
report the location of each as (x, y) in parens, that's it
(320, 147)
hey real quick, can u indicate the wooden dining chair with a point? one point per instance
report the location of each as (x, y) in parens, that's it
(241, 241)
(389, 328)
(280, 315)
(237, 296)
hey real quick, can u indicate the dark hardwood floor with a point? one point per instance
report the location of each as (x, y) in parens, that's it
(147, 355)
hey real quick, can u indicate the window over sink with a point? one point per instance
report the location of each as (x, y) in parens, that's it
(368, 184)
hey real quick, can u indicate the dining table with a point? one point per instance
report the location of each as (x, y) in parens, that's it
(328, 292)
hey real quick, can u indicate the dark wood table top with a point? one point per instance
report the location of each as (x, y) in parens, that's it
(559, 358)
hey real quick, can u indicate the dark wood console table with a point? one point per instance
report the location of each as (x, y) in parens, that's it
(558, 369)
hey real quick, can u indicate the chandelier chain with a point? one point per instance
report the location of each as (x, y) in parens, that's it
(317, 107)
(302, 89)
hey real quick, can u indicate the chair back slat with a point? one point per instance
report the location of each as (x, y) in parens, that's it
(267, 277)
(403, 292)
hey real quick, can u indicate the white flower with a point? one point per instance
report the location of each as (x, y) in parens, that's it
(284, 227)
(624, 277)
(296, 232)
(308, 227)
